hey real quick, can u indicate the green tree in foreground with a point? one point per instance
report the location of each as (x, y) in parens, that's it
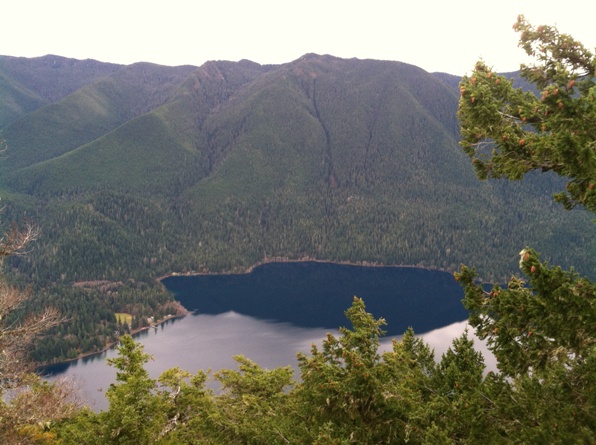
(348, 392)
(542, 328)
(509, 132)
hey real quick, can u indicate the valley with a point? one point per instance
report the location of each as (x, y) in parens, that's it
(134, 172)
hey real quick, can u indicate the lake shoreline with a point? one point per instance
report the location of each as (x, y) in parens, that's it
(272, 260)
(132, 333)
(249, 270)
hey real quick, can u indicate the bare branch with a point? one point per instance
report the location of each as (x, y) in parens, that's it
(16, 239)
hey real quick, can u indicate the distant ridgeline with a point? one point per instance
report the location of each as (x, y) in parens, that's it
(136, 171)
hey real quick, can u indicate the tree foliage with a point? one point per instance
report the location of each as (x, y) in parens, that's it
(509, 131)
(28, 406)
(16, 336)
(541, 328)
(531, 324)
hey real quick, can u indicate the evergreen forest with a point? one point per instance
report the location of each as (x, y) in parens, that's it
(119, 175)
(135, 172)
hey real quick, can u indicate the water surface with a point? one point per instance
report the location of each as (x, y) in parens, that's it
(314, 294)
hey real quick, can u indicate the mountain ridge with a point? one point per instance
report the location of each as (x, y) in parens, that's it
(150, 170)
(346, 125)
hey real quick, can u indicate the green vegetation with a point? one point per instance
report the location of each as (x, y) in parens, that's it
(350, 392)
(147, 170)
(27, 404)
(542, 332)
(541, 329)
(509, 132)
(29, 84)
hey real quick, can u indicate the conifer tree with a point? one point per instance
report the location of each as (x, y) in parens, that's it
(541, 328)
(510, 131)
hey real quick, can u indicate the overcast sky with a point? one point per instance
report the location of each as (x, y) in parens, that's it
(436, 35)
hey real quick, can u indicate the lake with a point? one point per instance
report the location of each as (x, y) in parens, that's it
(280, 309)
(316, 294)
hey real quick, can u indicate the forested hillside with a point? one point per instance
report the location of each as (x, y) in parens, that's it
(134, 172)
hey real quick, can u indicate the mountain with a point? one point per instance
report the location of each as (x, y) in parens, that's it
(27, 84)
(137, 171)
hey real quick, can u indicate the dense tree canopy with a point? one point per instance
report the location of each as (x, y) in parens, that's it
(28, 406)
(16, 336)
(509, 131)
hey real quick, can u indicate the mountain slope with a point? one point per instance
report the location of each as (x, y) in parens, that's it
(151, 170)
(90, 112)
(292, 160)
(44, 80)
(16, 100)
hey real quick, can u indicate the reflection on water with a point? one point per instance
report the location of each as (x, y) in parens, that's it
(210, 341)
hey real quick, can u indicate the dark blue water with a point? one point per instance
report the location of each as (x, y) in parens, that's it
(314, 294)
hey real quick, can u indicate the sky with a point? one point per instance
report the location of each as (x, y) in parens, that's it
(436, 35)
